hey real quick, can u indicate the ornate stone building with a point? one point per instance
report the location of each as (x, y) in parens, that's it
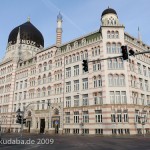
(105, 100)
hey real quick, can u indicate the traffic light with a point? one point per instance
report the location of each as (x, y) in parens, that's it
(124, 52)
(19, 118)
(131, 52)
(85, 65)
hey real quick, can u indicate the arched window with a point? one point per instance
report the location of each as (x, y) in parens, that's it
(99, 81)
(110, 80)
(117, 34)
(112, 34)
(116, 80)
(40, 67)
(115, 63)
(108, 34)
(118, 47)
(38, 92)
(49, 77)
(108, 46)
(49, 90)
(45, 66)
(77, 57)
(39, 80)
(44, 79)
(95, 81)
(43, 91)
(113, 47)
(110, 64)
(122, 80)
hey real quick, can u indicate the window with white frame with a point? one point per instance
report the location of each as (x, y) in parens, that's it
(146, 85)
(123, 97)
(76, 117)
(68, 101)
(43, 104)
(119, 117)
(85, 101)
(113, 117)
(76, 85)
(98, 98)
(112, 97)
(118, 97)
(125, 116)
(67, 117)
(68, 72)
(85, 83)
(76, 70)
(98, 116)
(144, 71)
(68, 87)
(85, 116)
(139, 68)
(76, 100)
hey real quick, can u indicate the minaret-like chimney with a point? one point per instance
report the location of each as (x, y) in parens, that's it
(59, 30)
(139, 35)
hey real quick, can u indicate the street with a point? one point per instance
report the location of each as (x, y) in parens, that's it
(76, 142)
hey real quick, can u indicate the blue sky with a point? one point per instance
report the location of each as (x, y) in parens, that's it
(79, 17)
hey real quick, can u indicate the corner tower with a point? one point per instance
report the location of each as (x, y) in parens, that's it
(27, 38)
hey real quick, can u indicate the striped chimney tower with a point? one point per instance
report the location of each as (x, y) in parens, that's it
(59, 29)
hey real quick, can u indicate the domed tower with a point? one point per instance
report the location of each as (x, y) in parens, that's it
(109, 17)
(24, 41)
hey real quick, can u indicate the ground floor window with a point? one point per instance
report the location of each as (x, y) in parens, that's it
(75, 131)
(98, 131)
(120, 131)
(85, 131)
(114, 131)
(67, 131)
(126, 131)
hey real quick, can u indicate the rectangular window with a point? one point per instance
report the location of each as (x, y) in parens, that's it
(113, 117)
(43, 104)
(85, 100)
(68, 72)
(85, 83)
(76, 70)
(98, 116)
(76, 100)
(76, 85)
(119, 117)
(76, 117)
(68, 101)
(85, 117)
(98, 131)
(67, 117)
(68, 87)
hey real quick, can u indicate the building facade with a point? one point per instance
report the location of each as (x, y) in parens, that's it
(59, 97)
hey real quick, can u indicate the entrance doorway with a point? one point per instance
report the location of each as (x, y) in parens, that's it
(42, 126)
(56, 123)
